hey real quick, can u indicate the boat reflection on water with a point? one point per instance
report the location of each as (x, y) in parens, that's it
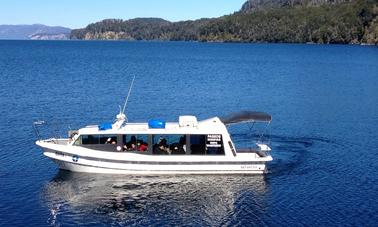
(79, 198)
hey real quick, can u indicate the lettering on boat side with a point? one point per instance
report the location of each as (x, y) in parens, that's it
(214, 140)
(249, 167)
(58, 153)
(75, 158)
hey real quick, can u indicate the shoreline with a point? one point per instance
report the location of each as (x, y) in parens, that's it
(185, 41)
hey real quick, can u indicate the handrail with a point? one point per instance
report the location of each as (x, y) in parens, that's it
(36, 131)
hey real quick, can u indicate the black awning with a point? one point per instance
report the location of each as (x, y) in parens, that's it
(246, 116)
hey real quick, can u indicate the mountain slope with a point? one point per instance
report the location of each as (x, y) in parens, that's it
(290, 21)
(253, 5)
(140, 29)
(30, 31)
(341, 23)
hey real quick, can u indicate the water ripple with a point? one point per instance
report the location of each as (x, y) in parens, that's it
(128, 200)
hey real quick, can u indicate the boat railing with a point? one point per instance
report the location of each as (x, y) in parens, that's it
(59, 141)
(54, 130)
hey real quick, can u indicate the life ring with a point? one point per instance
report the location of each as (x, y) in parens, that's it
(75, 158)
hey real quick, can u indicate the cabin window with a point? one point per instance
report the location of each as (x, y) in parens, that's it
(78, 141)
(108, 139)
(169, 144)
(211, 144)
(96, 139)
(198, 144)
(90, 139)
(177, 144)
(135, 143)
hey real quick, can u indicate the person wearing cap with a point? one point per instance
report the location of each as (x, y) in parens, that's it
(108, 141)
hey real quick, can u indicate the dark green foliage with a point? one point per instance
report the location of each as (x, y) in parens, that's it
(139, 28)
(342, 23)
(290, 21)
(253, 5)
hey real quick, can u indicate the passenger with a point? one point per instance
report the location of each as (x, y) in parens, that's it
(109, 141)
(178, 148)
(142, 146)
(161, 147)
(131, 145)
(182, 142)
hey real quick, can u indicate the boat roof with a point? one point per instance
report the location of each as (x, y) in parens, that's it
(209, 126)
(246, 116)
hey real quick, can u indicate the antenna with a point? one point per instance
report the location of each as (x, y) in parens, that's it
(128, 94)
(121, 117)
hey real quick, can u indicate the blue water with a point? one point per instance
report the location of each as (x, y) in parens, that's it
(323, 99)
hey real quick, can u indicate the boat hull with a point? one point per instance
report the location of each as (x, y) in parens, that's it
(74, 167)
(78, 163)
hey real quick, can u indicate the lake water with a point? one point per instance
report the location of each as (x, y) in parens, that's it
(324, 133)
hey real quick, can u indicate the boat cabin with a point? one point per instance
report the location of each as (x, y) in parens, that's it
(157, 137)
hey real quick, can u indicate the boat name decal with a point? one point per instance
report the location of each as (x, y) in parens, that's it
(250, 167)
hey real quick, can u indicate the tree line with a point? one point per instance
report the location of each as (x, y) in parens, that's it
(353, 21)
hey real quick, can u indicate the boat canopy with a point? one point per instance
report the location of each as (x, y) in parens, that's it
(246, 116)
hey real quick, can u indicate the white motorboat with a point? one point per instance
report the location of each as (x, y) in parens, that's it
(158, 147)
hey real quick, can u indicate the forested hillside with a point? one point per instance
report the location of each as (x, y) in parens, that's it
(253, 5)
(290, 21)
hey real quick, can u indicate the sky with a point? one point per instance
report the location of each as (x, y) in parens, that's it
(80, 13)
